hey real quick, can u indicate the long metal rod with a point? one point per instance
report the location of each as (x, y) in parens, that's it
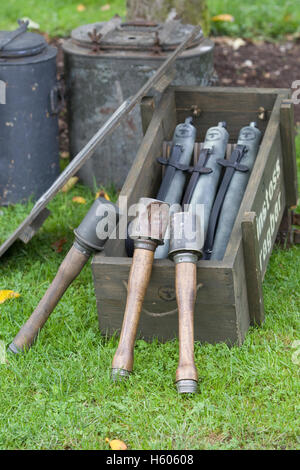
(97, 139)
(114, 120)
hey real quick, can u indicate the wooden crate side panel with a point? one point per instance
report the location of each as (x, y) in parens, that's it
(287, 129)
(215, 315)
(228, 99)
(253, 272)
(213, 324)
(241, 296)
(269, 204)
(233, 106)
(111, 276)
(269, 152)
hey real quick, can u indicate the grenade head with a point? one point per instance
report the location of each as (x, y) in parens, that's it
(186, 239)
(97, 226)
(150, 224)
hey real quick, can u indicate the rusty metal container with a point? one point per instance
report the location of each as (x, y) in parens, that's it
(105, 63)
(29, 158)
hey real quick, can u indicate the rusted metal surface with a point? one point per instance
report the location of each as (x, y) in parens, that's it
(121, 61)
(85, 153)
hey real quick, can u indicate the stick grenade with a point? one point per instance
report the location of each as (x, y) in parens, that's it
(185, 250)
(90, 236)
(147, 230)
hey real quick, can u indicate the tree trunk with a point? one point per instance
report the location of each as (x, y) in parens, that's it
(190, 11)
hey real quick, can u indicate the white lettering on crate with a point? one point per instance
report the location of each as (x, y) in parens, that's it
(269, 214)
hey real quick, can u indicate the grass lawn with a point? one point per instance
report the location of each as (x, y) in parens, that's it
(253, 18)
(60, 396)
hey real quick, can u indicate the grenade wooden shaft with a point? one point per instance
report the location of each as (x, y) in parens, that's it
(139, 277)
(186, 275)
(68, 271)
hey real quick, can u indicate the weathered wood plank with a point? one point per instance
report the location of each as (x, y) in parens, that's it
(287, 131)
(30, 230)
(265, 165)
(227, 99)
(235, 120)
(111, 276)
(147, 107)
(241, 295)
(213, 324)
(253, 274)
(236, 106)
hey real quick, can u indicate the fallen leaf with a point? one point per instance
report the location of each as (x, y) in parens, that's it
(102, 193)
(79, 200)
(58, 245)
(237, 43)
(223, 17)
(64, 155)
(69, 184)
(7, 294)
(116, 444)
(105, 7)
(80, 7)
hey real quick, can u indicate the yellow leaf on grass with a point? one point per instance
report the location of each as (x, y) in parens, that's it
(69, 184)
(116, 444)
(79, 200)
(105, 7)
(80, 7)
(7, 294)
(102, 193)
(223, 17)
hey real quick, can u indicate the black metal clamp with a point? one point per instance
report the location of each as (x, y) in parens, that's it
(197, 170)
(231, 166)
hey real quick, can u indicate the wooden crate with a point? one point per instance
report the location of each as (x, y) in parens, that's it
(229, 293)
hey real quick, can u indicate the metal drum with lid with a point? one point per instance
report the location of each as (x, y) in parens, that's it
(105, 63)
(29, 149)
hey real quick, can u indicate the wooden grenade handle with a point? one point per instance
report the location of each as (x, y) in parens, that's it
(139, 278)
(186, 280)
(67, 272)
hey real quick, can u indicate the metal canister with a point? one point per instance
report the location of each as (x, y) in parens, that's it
(29, 148)
(105, 63)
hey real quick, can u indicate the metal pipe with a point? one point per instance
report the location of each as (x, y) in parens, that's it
(171, 189)
(102, 133)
